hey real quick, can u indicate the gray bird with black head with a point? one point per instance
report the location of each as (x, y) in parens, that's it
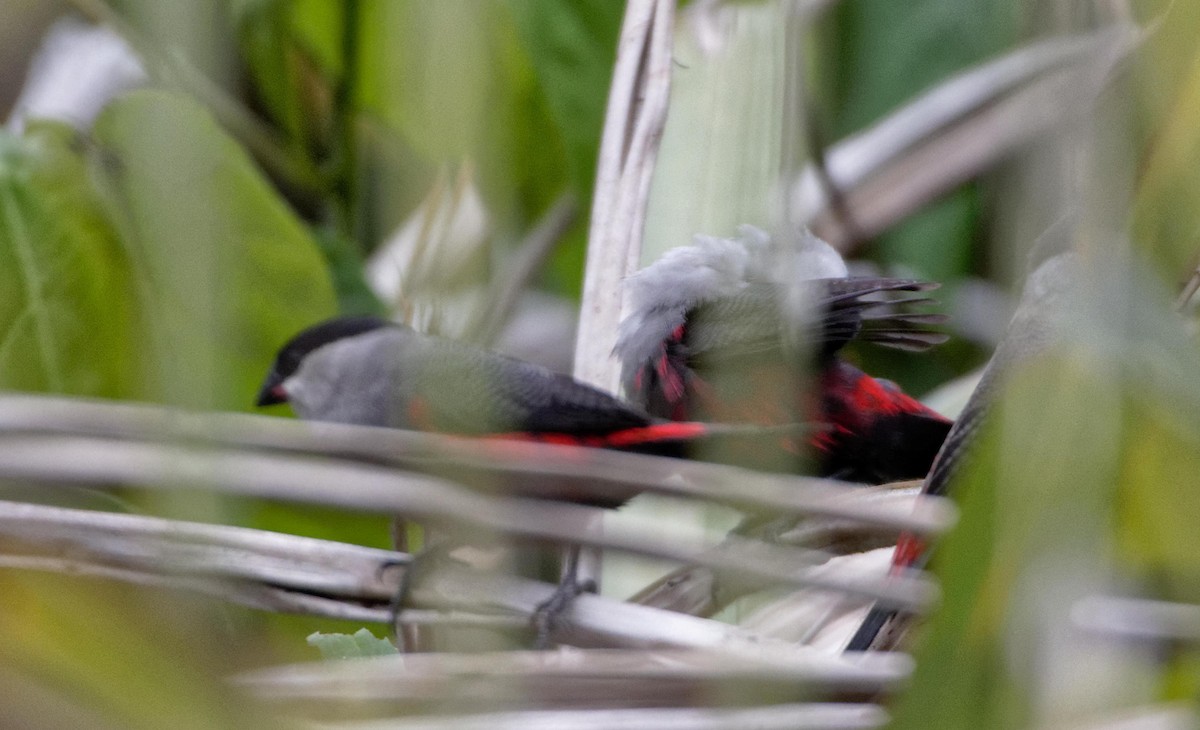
(368, 371)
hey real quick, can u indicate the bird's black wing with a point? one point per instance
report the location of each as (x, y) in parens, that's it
(474, 391)
(875, 309)
(750, 321)
(559, 404)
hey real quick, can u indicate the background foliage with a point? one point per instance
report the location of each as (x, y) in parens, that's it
(164, 253)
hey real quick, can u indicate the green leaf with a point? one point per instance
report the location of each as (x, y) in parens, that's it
(888, 52)
(346, 266)
(1036, 507)
(345, 646)
(293, 53)
(445, 84)
(65, 303)
(885, 54)
(225, 271)
(573, 46)
(264, 42)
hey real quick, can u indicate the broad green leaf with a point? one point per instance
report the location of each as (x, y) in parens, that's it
(573, 46)
(65, 293)
(1033, 540)
(225, 271)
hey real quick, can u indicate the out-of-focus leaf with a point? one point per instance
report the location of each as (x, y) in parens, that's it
(318, 25)
(572, 46)
(225, 272)
(293, 52)
(65, 292)
(346, 266)
(891, 51)
(886, 53)
(1035, 512)
(1083, 478)
(1165, 214)
(1161, 504)
(429, 71)
(361, 643)
(150, 660)
(451, 80)
(264, 39)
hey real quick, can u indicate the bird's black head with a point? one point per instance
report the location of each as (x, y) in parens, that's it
(292, 354)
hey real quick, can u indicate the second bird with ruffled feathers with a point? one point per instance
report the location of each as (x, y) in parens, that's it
(737, 329)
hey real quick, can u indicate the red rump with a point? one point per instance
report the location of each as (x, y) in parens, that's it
(876, 432)
(909, 549)
(853, 397)
(628, 438)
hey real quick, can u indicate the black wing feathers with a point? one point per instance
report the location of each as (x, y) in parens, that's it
(569, 407)
(749, 322)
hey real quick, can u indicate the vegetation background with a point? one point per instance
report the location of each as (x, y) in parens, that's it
(163, 253)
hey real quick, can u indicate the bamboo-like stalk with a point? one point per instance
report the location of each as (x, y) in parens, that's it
(286, 573)
(102, 462)
(578, 679)
(956, 130)
(524, 468)
(636, 112)
(698, 591)
(775, 717)
(633, 122)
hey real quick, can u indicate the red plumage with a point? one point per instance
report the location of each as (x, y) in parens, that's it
(725, 350)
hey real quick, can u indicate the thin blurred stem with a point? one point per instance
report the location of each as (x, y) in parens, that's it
(839, 208)
(344, 168)
(1189, 291)
(297, 174)
(524, 264)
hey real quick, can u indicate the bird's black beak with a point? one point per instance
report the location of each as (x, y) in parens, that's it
(272, 391)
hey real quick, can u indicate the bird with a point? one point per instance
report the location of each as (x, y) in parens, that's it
(1032, 330)
(715, 333)
(369, 371)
